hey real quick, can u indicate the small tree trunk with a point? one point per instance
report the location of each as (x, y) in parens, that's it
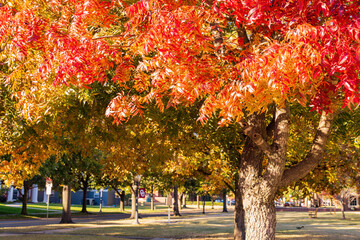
(133, 202)
(203, 204)
(176, 201)
(224, 200)
(66, 202)
(343, 209)
(212, 203)
(198, 201)
(85, 187)
(25, 198)
(184, 201)
(122, 201)
(180, 200)
(152, 206)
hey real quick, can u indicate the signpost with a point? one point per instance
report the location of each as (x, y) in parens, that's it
(48, 185)
(142, 192)
(101, 198)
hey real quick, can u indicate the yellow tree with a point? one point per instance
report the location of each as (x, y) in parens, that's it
(23, 146)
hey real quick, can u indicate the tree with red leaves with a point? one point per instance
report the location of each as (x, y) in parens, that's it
(249, 62)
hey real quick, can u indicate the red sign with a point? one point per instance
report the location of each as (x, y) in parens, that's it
(142, 192)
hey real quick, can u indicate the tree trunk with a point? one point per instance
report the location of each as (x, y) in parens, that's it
(122, 201)
(203, 198)
(180, 200)
(184, 201)
(152, 206)
(198, 201)
(257, 193)
(133, 202)
(25, 198)
(239, 215)
(85, 187)
(343, 209)
(176, 201)
(260, 180)
(224, 200)
(66, 202)
(260, 219)
(212, 203)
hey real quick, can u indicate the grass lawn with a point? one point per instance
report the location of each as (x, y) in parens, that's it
(9, 211)
(16, 210)
(95, 209)
(209, 226)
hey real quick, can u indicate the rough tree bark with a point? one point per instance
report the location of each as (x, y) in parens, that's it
(66, 202)
(176, 201)
(239, 214)
(260, 221)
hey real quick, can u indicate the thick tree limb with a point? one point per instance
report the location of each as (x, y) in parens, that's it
(276, 162)
(257, 139)
(281, 131)
(314, 156)
(109, 36)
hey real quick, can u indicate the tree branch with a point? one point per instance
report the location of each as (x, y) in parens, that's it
(242, 34)
(270, 129)
(313, 158)
(229, 186)
(110, 36)
(257, 139)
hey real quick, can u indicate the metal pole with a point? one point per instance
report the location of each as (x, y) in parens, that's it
(101, 198)
(137, 203)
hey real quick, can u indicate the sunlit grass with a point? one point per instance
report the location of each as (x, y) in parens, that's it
(198, 226)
